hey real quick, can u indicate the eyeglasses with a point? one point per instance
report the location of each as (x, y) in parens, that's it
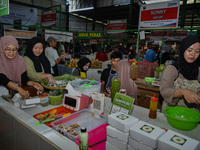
(9, 50)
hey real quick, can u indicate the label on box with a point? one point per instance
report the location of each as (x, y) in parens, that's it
(147, 128)
(122, 103)
(178, 140)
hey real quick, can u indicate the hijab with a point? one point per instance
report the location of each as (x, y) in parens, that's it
(188, 70)
(38, 60)
(82, 62)
(123, 72)
(11, 68)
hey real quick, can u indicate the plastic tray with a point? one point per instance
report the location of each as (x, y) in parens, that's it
(96, 135)
(83, 118)
(61, 110)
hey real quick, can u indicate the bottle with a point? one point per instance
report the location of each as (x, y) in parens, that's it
(134, 71)
(153, 107)
(83, 139)
(115, 87)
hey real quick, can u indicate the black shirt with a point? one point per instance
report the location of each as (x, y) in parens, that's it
(4, 80)
(105, 74)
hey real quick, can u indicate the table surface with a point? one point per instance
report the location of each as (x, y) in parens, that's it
(26, 116)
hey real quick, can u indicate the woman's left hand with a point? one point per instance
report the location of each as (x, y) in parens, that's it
(38, 86)
(190, 96)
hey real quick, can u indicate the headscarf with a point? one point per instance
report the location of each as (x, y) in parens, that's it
(12, 68)
(82, 62)
(188, 70)
(123, 72)
(37, 60)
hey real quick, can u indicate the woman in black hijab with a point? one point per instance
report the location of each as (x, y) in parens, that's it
(83, 65)
(37, 65)
(180, 84)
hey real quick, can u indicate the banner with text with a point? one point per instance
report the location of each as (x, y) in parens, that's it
(116, 26)
(89, 35)
(49, 18)
(159, 15)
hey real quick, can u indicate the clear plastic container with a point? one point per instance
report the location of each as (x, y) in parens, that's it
(134, 71)
(153, 107)
(94, 87)
(70, 125)
(115, 87)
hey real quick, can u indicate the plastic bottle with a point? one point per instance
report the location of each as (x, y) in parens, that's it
(134, 71)
(83, 139)
(115, 86)
(153, 107)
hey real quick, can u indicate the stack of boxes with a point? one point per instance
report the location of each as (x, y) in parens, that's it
(126, 132)
(118, 130)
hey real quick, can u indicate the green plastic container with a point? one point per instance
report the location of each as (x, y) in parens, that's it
(55, 100)
(182, 118)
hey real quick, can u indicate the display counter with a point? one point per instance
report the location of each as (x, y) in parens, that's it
(18, 129)
(146, 91)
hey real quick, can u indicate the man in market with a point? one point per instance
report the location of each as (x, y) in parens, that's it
(52, 55)
(150, 55)
(108, 73)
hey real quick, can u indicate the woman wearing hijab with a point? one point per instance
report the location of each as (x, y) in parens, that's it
(12, 67)
(180, 82)
(83, 65)
(38, 66)
(123, 72)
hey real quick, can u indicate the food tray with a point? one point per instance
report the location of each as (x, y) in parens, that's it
(94, 136)
(61, 110)
(70, 125)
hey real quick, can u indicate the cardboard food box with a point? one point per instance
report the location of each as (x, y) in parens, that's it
(146, 133)
(122, 121)
(117, 143)
(115, 133)
(136, 145)
(175, 141)
(110, 146)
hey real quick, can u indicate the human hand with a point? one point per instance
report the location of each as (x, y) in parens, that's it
(190, 96)
(24, 94)
(38, 87)
(51, 79)
(108, 93)
(63, 55)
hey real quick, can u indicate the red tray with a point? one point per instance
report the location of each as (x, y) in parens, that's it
(61, 110)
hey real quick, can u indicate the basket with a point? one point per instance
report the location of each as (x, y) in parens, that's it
(96, 135)
(55, 100)
(146, 69)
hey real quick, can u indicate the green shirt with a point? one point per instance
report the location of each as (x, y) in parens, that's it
(33, 75)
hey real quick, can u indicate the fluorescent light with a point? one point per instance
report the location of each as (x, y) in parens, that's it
(81, 9)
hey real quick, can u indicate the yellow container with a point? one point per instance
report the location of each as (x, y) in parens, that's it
(55, 100)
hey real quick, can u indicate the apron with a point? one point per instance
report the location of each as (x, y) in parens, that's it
(192, 85)
(109, 83)
(82, 74)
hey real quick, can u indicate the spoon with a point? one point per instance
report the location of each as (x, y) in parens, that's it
(87, 85)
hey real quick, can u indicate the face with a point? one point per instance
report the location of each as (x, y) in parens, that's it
(86, 66)
(11, 51)
(38, 49)
(53, 44)
(192, 53)
(114, 62)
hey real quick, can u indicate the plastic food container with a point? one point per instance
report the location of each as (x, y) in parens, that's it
(70, 125)
(55, 100)
(94, 87)
(44, 101)
(182, 118)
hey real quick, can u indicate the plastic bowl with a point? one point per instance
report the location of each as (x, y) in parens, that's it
(182, 118)
(55, 100)
(149, 79)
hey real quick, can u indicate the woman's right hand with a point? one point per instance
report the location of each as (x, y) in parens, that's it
(190, 96)
(24, 94)
(51, 79)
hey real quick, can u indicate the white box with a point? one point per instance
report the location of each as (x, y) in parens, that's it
(146, 133)
(117, 143)
(122, 121)
(30, 101)
(168, 142)
(110, 146)
(136, 145)
(115, 133)
(130, 148)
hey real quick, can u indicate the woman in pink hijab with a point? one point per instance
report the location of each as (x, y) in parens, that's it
(13, 68)
(123, 72)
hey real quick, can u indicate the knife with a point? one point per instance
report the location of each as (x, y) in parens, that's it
(56, 118)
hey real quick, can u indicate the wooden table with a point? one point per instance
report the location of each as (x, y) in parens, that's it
(146, 91)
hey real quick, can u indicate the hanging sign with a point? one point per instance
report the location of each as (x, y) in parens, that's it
(4, 7)
(89, 34)
(49, 18)
(159, 15)
(116, 25)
